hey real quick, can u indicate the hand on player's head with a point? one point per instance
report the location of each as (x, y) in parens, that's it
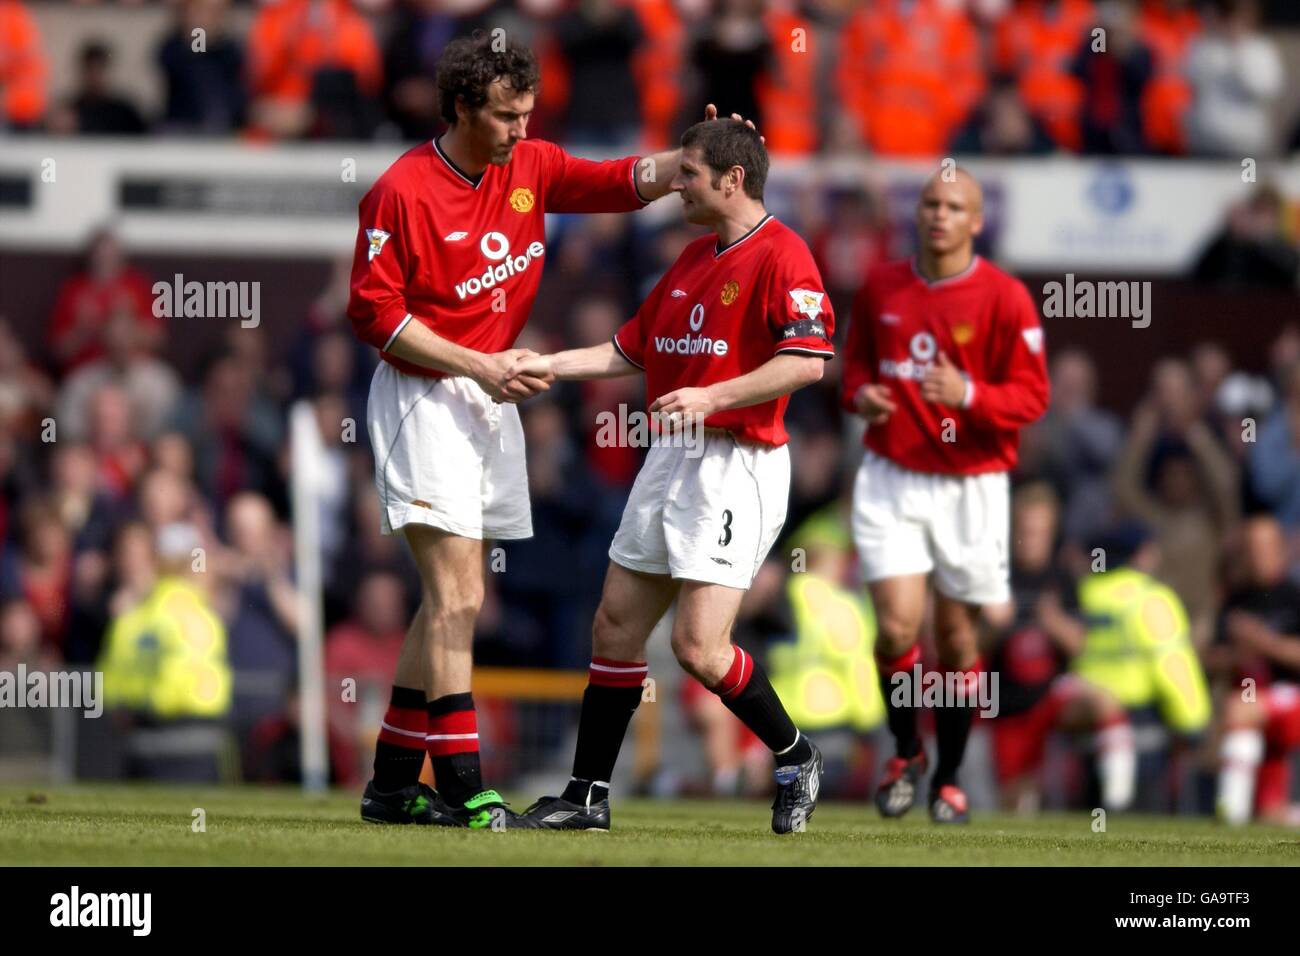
(711, 113)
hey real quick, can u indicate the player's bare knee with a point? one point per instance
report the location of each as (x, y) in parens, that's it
(612, 637)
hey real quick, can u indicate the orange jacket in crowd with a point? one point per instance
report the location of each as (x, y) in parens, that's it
(22, 66)
(657, 68)
(1168, 33)
(909, 74)
(291, 39)
(1037, 43)
(789, 93)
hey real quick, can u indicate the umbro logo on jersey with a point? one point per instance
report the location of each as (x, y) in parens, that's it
(678, 294)
(454, 236)
(377, 238)
(890, 318)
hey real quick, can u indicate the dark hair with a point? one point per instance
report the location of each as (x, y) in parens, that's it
(725, 143)
(469, 65)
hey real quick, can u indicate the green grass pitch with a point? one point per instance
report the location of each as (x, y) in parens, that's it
(126, 825)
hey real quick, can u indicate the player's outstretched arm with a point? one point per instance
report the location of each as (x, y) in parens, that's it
(779, 375)
(599, 361)
(419, 344)
(656, 172)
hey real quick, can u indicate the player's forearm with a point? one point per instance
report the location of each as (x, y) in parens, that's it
(779, 375)
(655, 173)
(599, 361)
(419, 344)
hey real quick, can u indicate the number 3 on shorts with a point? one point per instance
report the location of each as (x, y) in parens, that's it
(724, 539)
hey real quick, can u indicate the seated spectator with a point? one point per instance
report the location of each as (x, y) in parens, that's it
(1001, 126)
(1252, 249)
(259, 604)
(314, 68)
(20, 639)
(1236, 75)
(120, 457)
(1115, 81)
(23, 68)
(366, 646)
(94, 108)
(236, 432)
(205, 81)
(151, 387)
(105, 287)
(1192, 501)
(1274, 464)
(39, 571)
(1259, 638)
(1074, 445)
(25, 391)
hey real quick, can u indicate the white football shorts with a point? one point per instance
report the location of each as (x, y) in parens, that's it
(709, 513)
(447, 456)
(908, 522)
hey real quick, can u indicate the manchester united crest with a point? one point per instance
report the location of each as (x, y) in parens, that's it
(521, 199)
(730, 291)
(963, 332)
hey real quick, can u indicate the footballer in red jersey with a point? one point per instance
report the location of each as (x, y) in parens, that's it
(448, 258)
(737, 323)
(944, 360)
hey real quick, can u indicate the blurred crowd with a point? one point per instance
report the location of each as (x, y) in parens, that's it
(145, 515)
(145, 509)
(894, 77)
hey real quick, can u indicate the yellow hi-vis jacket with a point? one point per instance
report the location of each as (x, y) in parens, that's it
(826, 677)
(1138, 647)
(167, 656)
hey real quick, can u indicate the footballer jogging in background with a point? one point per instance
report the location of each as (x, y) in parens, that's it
(945, 361)
(447, 263)
(737, 323)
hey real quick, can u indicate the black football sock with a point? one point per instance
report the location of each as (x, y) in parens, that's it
(747, 693)
(399, 754)
(952, 729)
(611, 698)
(903, 718)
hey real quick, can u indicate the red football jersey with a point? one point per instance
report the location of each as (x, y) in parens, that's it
(985, 322)
(463, 257)
(719, 313)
